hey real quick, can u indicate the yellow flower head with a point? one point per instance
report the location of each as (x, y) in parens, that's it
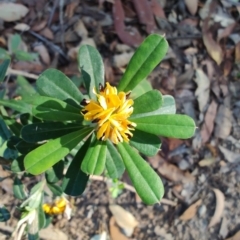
(111, 112)
(57, 207)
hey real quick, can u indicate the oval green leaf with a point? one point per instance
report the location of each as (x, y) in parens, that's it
(146, 143)
(18, 189)
(95, 158)
(4, 214)
(17, 105)
(92, 69)
(48, 130)
(141, 88)
(173, 125)
(53, 83)
(3, 69)
(144, 60)
(75, 180)
(148, 102)
(114, 162)
(53, 109)
(44, 157)
(145, 180)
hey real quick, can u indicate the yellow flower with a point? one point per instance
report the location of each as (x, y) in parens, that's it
(57, 207)
(111, 112)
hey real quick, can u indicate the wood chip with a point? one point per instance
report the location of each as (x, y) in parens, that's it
(115, 232)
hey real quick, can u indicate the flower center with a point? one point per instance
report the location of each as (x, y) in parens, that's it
(111, 112)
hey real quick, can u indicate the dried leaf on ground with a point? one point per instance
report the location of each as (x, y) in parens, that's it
(52, 233)
(230, 156)
(237, 53)
(235, 236)
(80, 29)
(46, 32)
(170, 171)
(223, 122)
(121, 60)
(208, 125)
(223, 33)
(213, 48)
(191, 211)
(202, 91)
(11, 12)
(115, 232)
(192, 6)
(22, 27)
(43, 52)
(124, 219)
(220, 200)
(206, 162)
(39, 26)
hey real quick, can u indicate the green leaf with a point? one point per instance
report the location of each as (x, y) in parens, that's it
(5, 133)
(14, 126)
(37, 132)
(145, 180)
(55, 189)
(95, 158)
(17, 105)
(168, 107)
(25, 89)
(3, 69)
(144, 60)
(174, 125)
(75, 180)
(55, 173)
(114, 162)
(143, 87)
(41, 218)
(17, 164)
(92, 69)
(18, 189)
(15, 41)
(148, 102)
(146, 143)
(4, 214)
(53, 109)
(4, 54)
(25, 56)
(24, 147)
(44, 157)
(53, 83)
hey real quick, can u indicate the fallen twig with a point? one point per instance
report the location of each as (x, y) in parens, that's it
(22, 73)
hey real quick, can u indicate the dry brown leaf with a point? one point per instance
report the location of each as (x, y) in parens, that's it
(11, 12)
(46, 32)
(202, 91)
(121, 60)
(208, 125)
(43, 52)
(80, 29)
(170, 171)
(213, 48)
(234, 237)
(124, 219)
(223, 122)
(237, 53)
(22, 27)
(52, 233)
(192, 6)
(223, 33)
(206, 162)
(191, 211)
(220, 199)
(115, 232)
(39, 26)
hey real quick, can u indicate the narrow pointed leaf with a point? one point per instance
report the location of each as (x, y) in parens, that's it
(145, 180)
(75, 180)
(18, 189)
(173, 125)
(53, 83)
(95, 158)
(53, 109)
(146, 143)
(44, 157)
(3, 69)
(17, 105)
(92, 69)
(114, 163)
(148, 102)
(144, 60)
(48, 130)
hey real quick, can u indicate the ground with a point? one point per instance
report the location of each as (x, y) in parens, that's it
(201, 70)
